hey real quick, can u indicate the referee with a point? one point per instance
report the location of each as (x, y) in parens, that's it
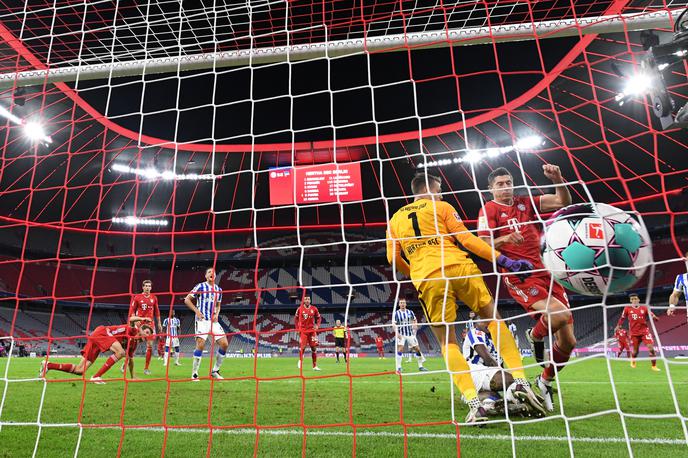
(339, 332)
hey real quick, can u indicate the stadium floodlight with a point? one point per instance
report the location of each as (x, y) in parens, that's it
(36, 133)
(136, 221)
(473, 156)
(33, 130)
(151, 173)
(650, 80)
(529, 143)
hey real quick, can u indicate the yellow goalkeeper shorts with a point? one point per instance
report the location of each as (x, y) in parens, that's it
(462, 282)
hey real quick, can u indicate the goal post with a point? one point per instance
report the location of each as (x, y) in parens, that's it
(467, 36)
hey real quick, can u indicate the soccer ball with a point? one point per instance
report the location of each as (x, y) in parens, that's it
(594, 249)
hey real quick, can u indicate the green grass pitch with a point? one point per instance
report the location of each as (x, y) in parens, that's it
(354, 403)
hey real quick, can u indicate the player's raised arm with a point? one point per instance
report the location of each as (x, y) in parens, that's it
(561, 197)
(394, 254)
(475, 244)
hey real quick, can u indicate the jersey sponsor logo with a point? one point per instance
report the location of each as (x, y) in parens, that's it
(595, 231)
(521, 207)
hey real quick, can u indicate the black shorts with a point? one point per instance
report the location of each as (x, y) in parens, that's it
(340, 342)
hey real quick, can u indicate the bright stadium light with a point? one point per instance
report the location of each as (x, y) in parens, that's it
(35, 132)
(529, 143)
(151, 173)
(638, 84)
(135, 221)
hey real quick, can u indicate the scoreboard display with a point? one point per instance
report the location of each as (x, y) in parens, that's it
(313, 184)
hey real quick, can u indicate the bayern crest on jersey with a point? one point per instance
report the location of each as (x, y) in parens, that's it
(533, 291)
(521, 207)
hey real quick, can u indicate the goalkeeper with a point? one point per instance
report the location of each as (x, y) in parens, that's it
(426, 232)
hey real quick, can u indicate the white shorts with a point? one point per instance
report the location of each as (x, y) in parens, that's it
(175, 341)
(410, 340)
(203, 328)
(482, 375)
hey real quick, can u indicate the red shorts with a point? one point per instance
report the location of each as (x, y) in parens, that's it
(623, 344)
(533, 289)
(98, 342)
(646, 338)
(380, 349)
(309, 338)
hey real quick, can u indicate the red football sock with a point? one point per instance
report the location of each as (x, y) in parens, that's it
(560, 359)
(540, 330)
(314, 355)
(108, 364)
(66, 367)
(149, 354)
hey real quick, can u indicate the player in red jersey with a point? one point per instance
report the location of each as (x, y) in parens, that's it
(161, 348)
(514, 223)
(640, 332)
(146, 305)
(380, 343)
(621, 335)
(307, 321)
(114, 338)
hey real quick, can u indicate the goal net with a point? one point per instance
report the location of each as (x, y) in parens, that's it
(272, 141)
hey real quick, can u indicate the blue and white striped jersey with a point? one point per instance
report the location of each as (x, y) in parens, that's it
(404, 319)
(206, 296)
(477, 337)
(171, 326)
(681, 284)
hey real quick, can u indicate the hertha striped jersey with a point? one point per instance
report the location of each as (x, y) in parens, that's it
(681, 284)
(404, 319)
(206, 297)
(477, 337)
(172, 326)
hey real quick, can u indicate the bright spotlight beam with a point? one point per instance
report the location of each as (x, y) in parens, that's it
(33, 130)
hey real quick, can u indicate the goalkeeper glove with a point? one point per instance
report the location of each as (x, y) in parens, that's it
(517, 266)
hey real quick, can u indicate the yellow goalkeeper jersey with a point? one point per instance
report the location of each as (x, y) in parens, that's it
(339, 331)
(426, 233)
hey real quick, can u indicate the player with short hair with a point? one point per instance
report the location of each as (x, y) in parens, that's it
(512, 219)
(405, 328)
(380, 344)
(425, 233)
(307, 320)
(489, 378)
(640, 331)
(171, 325)
(621, 336)
(339, 332)
(680, 287)
(208, 296)
(115, 338)
(146, 305)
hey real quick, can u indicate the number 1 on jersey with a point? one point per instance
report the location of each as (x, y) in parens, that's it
(414, 221)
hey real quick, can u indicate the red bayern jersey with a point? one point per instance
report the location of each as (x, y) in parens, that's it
(637, 319)
(121, 332)
(519, 217)
(379, 342)
(621, 335)
(144, 306)
(307, 317)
